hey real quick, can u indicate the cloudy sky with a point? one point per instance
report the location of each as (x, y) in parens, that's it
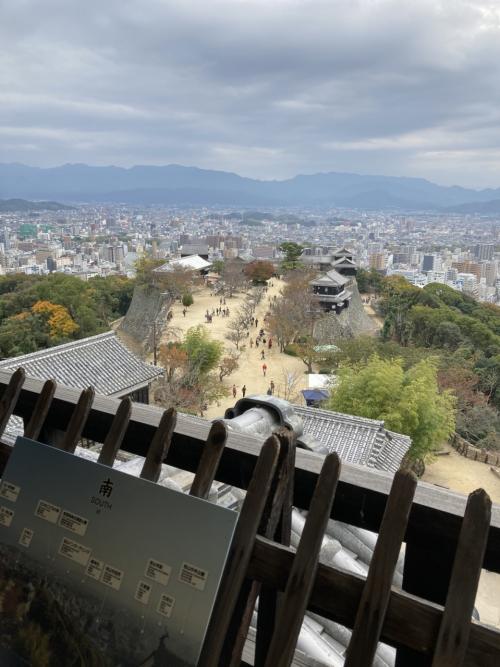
(266, 88)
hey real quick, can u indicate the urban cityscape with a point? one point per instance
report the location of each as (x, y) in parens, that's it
(88, 241)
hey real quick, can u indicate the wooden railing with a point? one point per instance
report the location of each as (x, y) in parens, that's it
(432, 532)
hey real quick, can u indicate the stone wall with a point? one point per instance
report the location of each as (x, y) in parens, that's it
(474, 453)
(148, 305)
(351, 322)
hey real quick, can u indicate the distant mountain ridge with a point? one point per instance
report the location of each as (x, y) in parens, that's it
(22, 205)
(491, 207)
(178, 185)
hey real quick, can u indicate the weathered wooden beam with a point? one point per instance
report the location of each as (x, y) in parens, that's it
(116, 433)
(305, 564)
(210, 459)
(77, 422)
(435, 518)
(377, 589)
(158, 449)
(239, 554)
(269, 596)
(42, 407)
(409, 621)
(10, 397)
(277, 498)
(455, 627)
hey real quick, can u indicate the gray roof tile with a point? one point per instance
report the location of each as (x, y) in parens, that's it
(356, 439)
(101, 361)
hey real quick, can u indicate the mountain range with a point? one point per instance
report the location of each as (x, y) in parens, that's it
(178, 185)
(21, 206)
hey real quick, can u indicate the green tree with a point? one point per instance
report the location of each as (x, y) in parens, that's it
(369, 281)
(218, 266)
(408, 402)
(187, 299)
(292, 251)
(203, 354)
(189, 382)
(144, 270)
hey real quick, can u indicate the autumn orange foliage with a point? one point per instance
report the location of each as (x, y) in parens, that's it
(60, 322)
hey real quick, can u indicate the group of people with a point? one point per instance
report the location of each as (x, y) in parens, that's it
(261, 339)
(270, 391)
(215, 311)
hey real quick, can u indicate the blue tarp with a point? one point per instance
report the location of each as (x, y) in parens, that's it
(315, 394)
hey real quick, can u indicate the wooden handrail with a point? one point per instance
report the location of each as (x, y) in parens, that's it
(417, 627)
(409, 622)
(361, 495)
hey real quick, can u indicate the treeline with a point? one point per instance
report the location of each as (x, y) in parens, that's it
(40, 311)
(460, 332)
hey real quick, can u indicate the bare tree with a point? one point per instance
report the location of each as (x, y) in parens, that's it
(289, 383)
(228, 365)
(237, 330)
(233, 277)
(246, 311)
(294, 316)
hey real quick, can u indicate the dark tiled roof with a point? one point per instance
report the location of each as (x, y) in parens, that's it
(100, 361)
(344, 261)
(342, 252)
(356, 439)
(330, 278)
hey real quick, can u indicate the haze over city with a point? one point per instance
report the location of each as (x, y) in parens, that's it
(265, 89)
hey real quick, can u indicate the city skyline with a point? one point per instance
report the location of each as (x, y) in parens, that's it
(266, 90)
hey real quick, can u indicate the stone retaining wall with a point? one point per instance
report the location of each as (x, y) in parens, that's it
(469, 451)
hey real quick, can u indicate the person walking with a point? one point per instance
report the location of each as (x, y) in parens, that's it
(234, 391)
(251, 342)
(264, 369)
(270, 343)
(257, 342)
(262, 355)
(256, 322)
(244, 390)
(184, 312)
(271, 386)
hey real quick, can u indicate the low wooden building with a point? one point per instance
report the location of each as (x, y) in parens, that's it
(330, 290)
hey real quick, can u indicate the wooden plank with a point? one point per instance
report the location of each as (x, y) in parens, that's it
(409, 621)
(158, 449)
(377, 590)
(268, 596)
(10, 397)
(455, 627)
(269, 526)
(305, 564)
(116, 433)
(77, 421)
(435, 518)
(41, 410)
(240, 553)
(209, 462)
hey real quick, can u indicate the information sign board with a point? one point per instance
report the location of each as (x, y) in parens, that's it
(98, 563)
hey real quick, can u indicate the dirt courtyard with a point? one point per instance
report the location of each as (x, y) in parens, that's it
(250, 371)
(458, 473)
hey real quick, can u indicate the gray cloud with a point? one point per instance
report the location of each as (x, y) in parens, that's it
(267, 88)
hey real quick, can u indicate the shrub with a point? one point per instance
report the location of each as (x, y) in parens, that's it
(187, 300)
